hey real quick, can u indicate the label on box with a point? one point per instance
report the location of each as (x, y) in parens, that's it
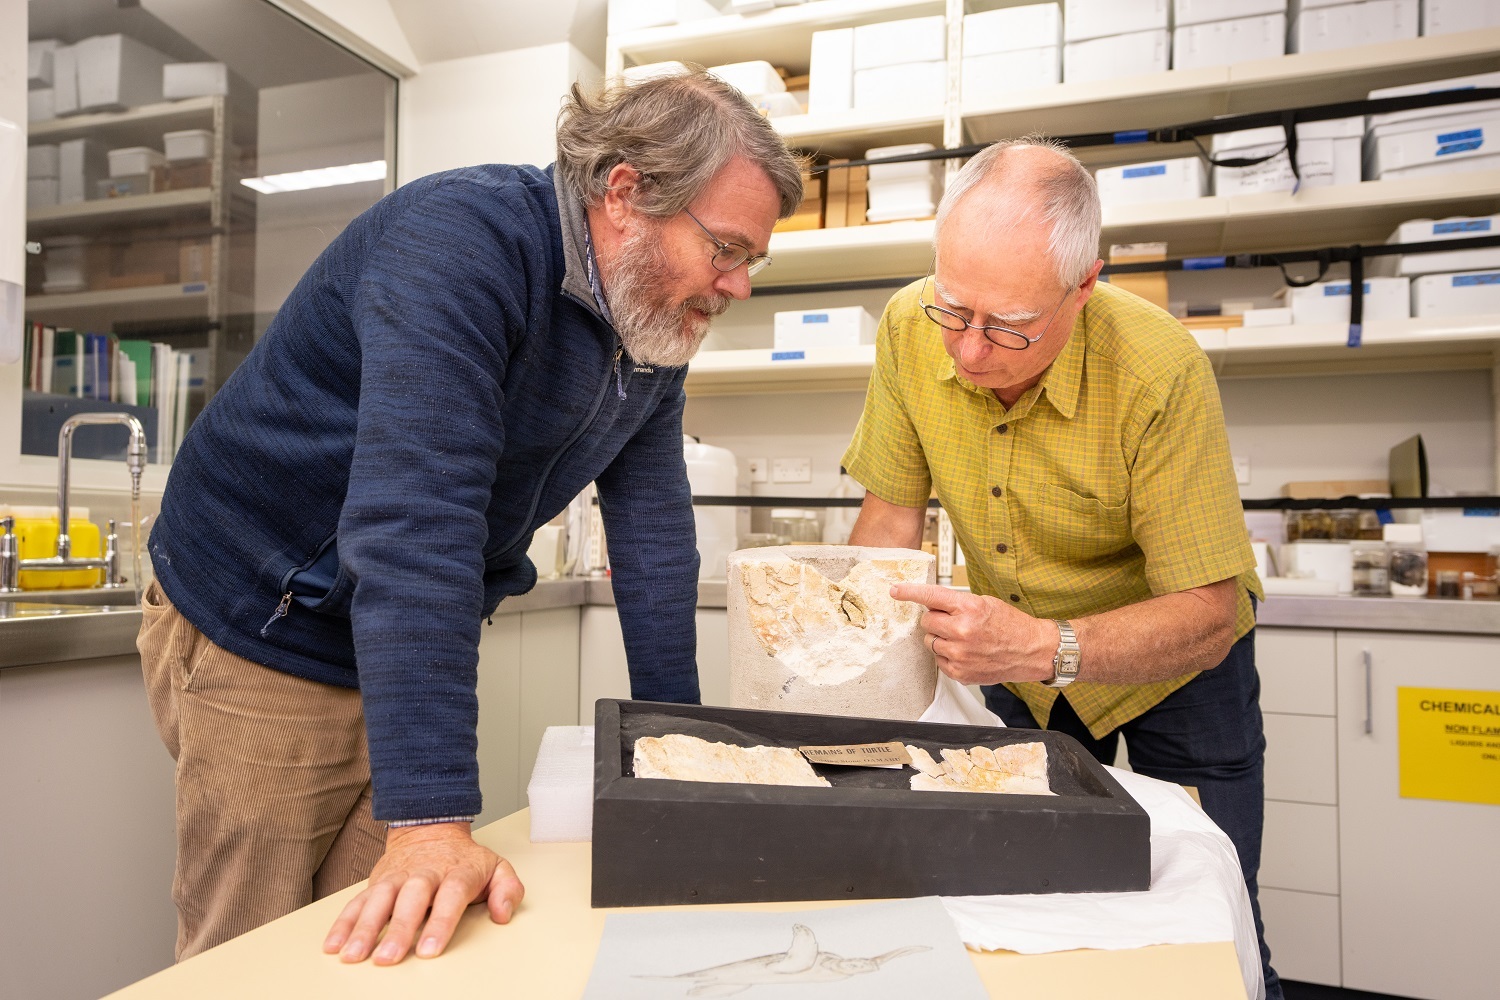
(1152, 171)
(1460, 280)
(1459, 142)
(1344, 289)
(815, 318)
(859, 754)
(788, 355)
(1463, 226)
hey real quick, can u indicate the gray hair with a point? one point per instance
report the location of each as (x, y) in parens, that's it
(1066, 194)
(677, 131)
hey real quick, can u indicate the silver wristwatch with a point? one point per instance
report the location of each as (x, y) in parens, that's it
(1065, 662)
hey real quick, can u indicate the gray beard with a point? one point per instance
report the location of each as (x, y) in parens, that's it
(653, 330)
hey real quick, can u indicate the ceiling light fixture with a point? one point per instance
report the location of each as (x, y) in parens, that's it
(306, 180)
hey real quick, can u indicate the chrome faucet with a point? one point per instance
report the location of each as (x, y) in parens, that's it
(135, 459)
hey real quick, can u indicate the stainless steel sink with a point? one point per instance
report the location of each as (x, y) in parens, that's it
(94, 596)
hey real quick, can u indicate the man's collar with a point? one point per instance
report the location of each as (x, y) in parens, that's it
(1061, 381)
(573, 217)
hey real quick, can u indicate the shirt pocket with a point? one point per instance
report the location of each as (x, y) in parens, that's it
(1082, 528)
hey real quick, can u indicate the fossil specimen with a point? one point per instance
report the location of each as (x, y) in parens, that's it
(688, 758)
(1020, 768)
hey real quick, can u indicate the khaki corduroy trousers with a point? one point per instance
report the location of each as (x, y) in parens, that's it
(273, 782)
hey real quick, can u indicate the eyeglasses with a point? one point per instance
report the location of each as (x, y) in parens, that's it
(729, 256)
(1000, 336)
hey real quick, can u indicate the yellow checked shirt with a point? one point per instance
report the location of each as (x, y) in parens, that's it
(1108, 483)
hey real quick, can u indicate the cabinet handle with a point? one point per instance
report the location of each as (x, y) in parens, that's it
(1369, 694)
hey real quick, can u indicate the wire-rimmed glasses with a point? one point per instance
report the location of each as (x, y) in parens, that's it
(1000, 336)
(729, 256)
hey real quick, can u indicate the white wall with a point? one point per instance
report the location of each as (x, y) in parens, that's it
(496, 108)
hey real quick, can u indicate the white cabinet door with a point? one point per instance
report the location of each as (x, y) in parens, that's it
(1419, 877)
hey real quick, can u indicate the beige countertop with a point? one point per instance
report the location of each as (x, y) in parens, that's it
(548, 950)
(34, 634)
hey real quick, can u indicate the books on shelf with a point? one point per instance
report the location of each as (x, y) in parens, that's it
(103, 366)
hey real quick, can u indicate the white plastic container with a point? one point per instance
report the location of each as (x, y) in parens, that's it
(848, 326)
(988, 79)
(1117, 56)
(1219, 43)
(1328, 301)
(1469, 293)
(1455, 228)
(830, 84)
(1324, 29)
(1013, 29)
(909, 86)
(1203, 11)
(752, 78)
(1328, 561)
(199, 79)
(1086, 19)
(188, 144)
(134, 160)
(892, 43)
(712, 472)
(1144, 183)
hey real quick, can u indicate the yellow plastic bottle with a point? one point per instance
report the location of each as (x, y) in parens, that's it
(36, 538)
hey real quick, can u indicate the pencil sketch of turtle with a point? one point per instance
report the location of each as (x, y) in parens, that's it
(801, 963)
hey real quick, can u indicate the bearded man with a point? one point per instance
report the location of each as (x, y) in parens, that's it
(464, 359)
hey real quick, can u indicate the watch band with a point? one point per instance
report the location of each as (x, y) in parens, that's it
(1066, 660)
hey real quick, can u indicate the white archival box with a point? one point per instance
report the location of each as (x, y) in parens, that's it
(1203, 11)
(1160, 180)
(1448, 17)
(116, 71)
(848, 326)
(1012, 29)
(1118, 55)
(1385, 124)
(1443, 144)
(1219, 43)
(1328, 152)
(830, 84)
(752, 78)
(1085, 19)
(1469, 293)
(915, 87)
(197, 79)
(1326, 28)
(891, 43)
(987, 79)
(1328, 301)
(1444, 262)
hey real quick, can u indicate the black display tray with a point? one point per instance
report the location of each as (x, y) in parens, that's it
(659, 841)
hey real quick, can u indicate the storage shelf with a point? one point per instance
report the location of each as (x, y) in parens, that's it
(1180, 96)
(132, 210)
(883, 250)
(782, 36)
(86, 309)
(1392, 345)
(137, 125)
(849, 133)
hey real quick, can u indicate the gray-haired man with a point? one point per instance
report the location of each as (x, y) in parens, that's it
(464, 358)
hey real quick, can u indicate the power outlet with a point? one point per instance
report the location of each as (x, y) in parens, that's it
(1242, 469)
(758, 473)
(791, 470)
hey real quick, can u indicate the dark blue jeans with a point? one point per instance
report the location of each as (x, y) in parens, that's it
(1206, 734)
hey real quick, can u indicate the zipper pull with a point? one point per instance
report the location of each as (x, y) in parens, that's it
(619, 378)
(280, 612)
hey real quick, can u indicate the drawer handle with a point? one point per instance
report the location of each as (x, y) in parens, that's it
(1369, 694)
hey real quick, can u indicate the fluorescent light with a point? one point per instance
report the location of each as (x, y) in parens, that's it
(306, 180)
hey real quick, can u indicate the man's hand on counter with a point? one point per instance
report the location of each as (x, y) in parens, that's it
(438, 867)
(982, 640)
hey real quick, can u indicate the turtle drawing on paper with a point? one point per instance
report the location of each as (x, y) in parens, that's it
(803, 962)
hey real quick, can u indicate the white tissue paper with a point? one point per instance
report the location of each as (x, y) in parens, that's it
(561, 790)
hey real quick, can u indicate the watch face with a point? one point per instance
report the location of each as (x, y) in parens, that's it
(1067, 664)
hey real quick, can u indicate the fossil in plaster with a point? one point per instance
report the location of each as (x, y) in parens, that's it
(687, 758)
(826, 631)
(1020, 769)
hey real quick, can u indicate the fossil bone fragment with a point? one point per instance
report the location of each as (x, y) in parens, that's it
(687, 758)
(1019, 769)
(814, 629)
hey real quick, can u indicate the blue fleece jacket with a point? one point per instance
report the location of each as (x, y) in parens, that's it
(361, 492)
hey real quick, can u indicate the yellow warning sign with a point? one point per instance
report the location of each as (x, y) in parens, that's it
(1450, 744)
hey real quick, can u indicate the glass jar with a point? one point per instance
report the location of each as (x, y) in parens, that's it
(1371, 563)
(1316, 524)
(797, 527)
(1479, 587)
(1448, 583)
(1293, 525)
(1345, 525)
(1370, 528)
(1408, 570)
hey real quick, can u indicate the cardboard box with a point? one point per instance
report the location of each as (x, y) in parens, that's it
(1334, 489)
(42, 161)
(1469, 293)
(1086, 19)
(869, 836)
(752, 78)
(182, 176)
(830, 84)
(988, 79)
(1117, 56)
(809, 214)
(1149, 285)
(836, 196)
(1455, 228)
(1473, 139)
(133, 263)
(1328, 301)
(1219, 43)
(124, 187)
(41, 104)
(198, 79)
(1448, 17)
(1324, 29)
(1013, 29)
(799, 329)
(1203, 11)
(116, 72)
(858, 197)
(892, 43)
(81, 163)
(910, 87)
(134, 160)
(1143, 183)
(39, 65)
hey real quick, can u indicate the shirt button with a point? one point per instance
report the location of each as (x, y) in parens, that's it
(1002, 428)
(1001, 548)
(1016, 598)
(996, 491)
